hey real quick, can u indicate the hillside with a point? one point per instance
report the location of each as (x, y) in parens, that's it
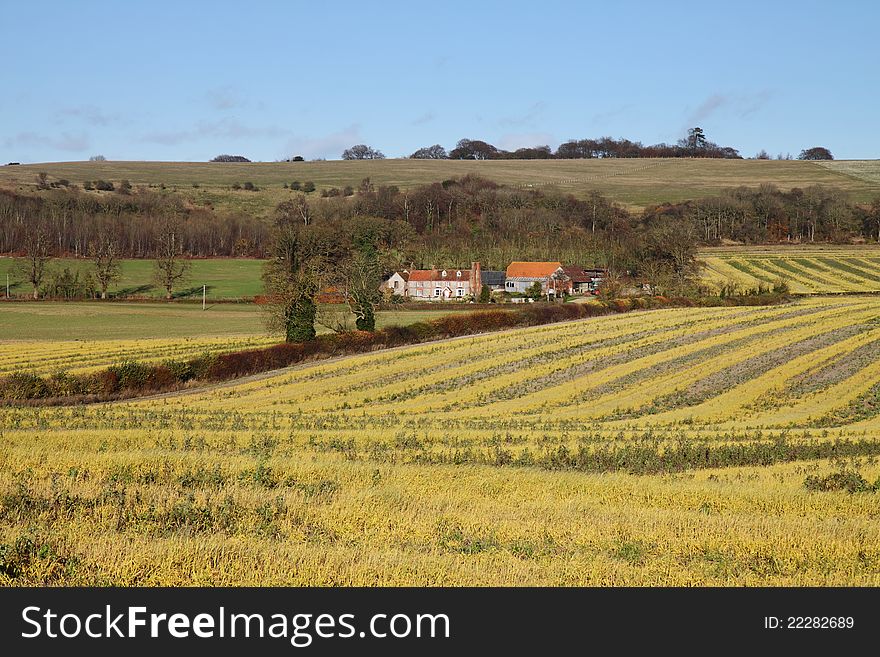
(635, 183)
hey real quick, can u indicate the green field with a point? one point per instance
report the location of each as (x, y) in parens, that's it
(226, 278)
(633, 182)
(96, 320)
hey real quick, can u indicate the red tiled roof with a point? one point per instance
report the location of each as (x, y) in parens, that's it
(577, 274)
(532, 269)
(437, 275)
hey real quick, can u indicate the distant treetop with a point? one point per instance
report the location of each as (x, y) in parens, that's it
(362, 152)
(816, 153)
(435, 152)
(694, 145)
(97, 158)
(230, 158)
(473, 149)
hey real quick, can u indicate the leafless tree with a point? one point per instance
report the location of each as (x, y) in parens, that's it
(37, 246)
(170, 266)
(105, 255)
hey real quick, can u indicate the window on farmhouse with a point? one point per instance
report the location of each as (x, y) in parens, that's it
(460, 292)
(437, 292)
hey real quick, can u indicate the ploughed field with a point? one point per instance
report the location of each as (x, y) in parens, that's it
(667, 447)
(820, 269)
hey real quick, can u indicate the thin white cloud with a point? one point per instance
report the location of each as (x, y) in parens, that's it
(427, 117)
(510, 142)
(707, 108)
(608, 115)
(528, 118)
(225, 128)
(73, 143)
(329, 146)
(740, 105)
(225, 98)
(753, 103)
(90, 114)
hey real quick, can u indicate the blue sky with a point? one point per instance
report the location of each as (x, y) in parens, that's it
(189, 80)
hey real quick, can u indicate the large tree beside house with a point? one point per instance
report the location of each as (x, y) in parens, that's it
(361, 270)
(293, 275)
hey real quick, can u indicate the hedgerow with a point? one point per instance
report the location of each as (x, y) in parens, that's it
(129, 379)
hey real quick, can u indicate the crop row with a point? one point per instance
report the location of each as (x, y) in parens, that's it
(825, 271)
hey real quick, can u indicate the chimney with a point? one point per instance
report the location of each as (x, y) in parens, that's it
(476, 279)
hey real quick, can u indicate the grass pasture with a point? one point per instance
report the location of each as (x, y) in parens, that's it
(669, 447)
(635, 183)
(226, 278)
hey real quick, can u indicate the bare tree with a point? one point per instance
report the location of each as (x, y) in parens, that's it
(873, 219)
(658, 276)
(296, 209)
(170, 267)
(105, 256)
(673, 241)
(334, 317)
(37, 246)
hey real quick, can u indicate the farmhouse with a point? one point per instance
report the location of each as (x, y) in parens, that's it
(584, 281)
(436, 284)
(397, 283)
(521, 276)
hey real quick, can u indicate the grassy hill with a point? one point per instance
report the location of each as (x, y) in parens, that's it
(635, 183)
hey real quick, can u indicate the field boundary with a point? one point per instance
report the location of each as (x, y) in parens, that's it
(131, 379)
